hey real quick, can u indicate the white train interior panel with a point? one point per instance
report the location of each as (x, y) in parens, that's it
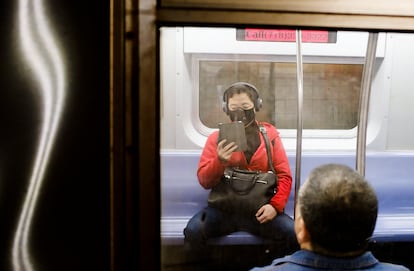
(198, 63)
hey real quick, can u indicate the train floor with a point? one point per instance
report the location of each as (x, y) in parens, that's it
(237, 257)
(229, 258)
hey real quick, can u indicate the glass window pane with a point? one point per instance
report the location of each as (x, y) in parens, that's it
(331, 92)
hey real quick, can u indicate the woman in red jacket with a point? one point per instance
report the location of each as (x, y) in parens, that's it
(240, 102)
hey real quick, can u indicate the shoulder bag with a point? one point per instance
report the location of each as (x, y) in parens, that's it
(245, 191)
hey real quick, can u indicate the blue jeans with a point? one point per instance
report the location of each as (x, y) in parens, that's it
(211, 222)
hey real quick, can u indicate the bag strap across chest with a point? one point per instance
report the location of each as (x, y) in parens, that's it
(269, 154)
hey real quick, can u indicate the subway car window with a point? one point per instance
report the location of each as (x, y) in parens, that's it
(331, 92)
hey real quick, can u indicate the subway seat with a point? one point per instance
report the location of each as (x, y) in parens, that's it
(391, 175)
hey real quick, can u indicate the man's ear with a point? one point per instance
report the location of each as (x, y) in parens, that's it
(302, 233)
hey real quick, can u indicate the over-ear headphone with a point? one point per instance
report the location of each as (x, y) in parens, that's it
(256, 99)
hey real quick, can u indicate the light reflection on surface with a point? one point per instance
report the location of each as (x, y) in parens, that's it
(42, 55)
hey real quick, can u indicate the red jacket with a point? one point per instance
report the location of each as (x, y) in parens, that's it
(210, 169)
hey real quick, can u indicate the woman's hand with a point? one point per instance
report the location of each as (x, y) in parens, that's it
(224, 151)
(266, 213)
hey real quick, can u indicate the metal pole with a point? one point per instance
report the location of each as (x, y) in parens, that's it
(364, 102)
(299, 77)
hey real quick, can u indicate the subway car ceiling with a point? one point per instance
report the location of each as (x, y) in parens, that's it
(372, 15)
(195, 53)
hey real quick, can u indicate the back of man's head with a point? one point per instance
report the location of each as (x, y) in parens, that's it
(339, 209)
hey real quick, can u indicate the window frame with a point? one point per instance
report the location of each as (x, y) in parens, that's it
(347, 136)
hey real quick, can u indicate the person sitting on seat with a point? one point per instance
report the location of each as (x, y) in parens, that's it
(240, 102)
(335, 216)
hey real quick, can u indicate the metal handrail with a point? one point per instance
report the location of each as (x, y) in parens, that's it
(299, 77)
(364, 102)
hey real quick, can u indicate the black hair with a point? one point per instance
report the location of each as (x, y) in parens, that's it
(339, 209)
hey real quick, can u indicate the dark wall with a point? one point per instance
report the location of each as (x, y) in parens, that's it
(70, 229)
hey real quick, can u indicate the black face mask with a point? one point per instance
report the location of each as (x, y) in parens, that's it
(246, 116)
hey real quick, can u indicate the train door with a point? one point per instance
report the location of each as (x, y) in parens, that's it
(315, 86)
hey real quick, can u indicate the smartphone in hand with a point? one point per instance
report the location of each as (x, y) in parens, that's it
(233, 132)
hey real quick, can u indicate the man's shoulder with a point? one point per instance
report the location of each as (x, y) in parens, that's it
(306, 260)
(286, 266)
(382, 266)
(288, 263)
(282, 265)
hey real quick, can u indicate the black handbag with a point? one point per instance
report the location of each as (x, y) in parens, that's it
(244, 191)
